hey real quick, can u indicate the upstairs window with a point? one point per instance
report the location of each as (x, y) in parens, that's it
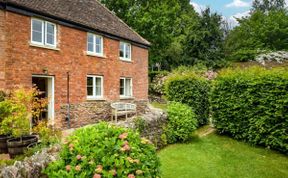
(94, 87)
(125, 87)
(125, 51)
(43, 33)
(95, 44)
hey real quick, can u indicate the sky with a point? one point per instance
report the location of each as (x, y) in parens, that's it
(229, 9)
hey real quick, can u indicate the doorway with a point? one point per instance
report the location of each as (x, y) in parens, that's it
(45, 84)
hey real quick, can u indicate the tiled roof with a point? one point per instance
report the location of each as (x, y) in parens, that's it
(89, 13)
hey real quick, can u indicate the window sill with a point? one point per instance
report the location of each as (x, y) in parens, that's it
(44, 46)
(96, 99)
(95, 55)
(126, 60)
(127, 98)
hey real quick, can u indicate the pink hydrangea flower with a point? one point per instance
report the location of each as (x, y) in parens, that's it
(123, 136)
(97, 176)
(78, 168)
(131, 176)
(78, 157)
(126, 147)
(68, 168)
(113, 172)
(99, 169)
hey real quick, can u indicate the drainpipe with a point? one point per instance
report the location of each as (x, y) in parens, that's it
(68, 100)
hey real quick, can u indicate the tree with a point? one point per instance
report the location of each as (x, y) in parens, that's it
(205, 41)
(268, 5)
(262, 31)
(179, 36)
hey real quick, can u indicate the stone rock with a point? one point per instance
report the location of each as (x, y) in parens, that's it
(31, 167)
(154, 121)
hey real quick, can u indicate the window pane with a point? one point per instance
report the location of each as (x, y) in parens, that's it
(98, 86)
(121, 49)
(128, 87)
(50, 36)
(122, 87)
(50, 39)
(90, 91)
(50, 29)
(128, 49)
(37, 37)
(37, 31)
(98, 49)
(90, 42)
(89, 81)
(99, 44)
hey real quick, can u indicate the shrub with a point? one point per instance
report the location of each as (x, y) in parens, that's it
(154, 74)
(181, 123)
(156, 86)
(47, 134)
(245, 55)
(2, 96)
(107, 151)
(17, 111)
(191, 89)
(251, 105)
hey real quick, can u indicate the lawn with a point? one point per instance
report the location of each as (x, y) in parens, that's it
(215, 156)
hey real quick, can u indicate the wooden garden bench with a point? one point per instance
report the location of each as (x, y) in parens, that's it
(121, 109)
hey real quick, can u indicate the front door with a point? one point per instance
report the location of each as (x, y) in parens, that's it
(46, 86)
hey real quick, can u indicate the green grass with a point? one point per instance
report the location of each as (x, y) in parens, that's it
(217, 156)
(159, 105)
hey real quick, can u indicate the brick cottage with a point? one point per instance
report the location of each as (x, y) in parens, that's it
(72, 46)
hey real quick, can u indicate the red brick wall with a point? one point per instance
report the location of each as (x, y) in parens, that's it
(2, 50)
(25, 60)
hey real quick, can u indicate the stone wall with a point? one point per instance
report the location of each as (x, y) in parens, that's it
(31, 167)
(92, 112)
(151, 125)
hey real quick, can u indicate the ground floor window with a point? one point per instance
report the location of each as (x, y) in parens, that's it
(125, 87)
(94, 87)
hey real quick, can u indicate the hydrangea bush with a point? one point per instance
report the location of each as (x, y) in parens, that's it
(104, 150)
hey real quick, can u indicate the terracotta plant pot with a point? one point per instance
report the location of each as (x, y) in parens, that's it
(3, 144)
(17, 146)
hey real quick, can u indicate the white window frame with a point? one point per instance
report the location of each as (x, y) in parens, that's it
(94, 45)
(125, 96)
(44, 33)
(94, 96)
(125, 46)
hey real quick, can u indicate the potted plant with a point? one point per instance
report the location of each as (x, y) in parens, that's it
(5, 110)
(18, 121)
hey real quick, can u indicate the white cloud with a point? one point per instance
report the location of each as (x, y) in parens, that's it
(238, 3)
(198, 7)
(233, 19)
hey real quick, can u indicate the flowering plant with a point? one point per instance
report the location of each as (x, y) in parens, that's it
(104, 150)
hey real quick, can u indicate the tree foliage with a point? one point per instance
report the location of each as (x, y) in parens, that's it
(179, 35)
(268, 5)
(266, 29)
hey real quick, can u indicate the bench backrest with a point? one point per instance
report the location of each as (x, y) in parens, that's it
(123, 106)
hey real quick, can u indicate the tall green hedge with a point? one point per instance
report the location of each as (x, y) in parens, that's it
(252, 105)
(191, 89)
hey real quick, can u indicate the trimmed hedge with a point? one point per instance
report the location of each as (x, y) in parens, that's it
(252, 105)
(191, 89)
(181, 123)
